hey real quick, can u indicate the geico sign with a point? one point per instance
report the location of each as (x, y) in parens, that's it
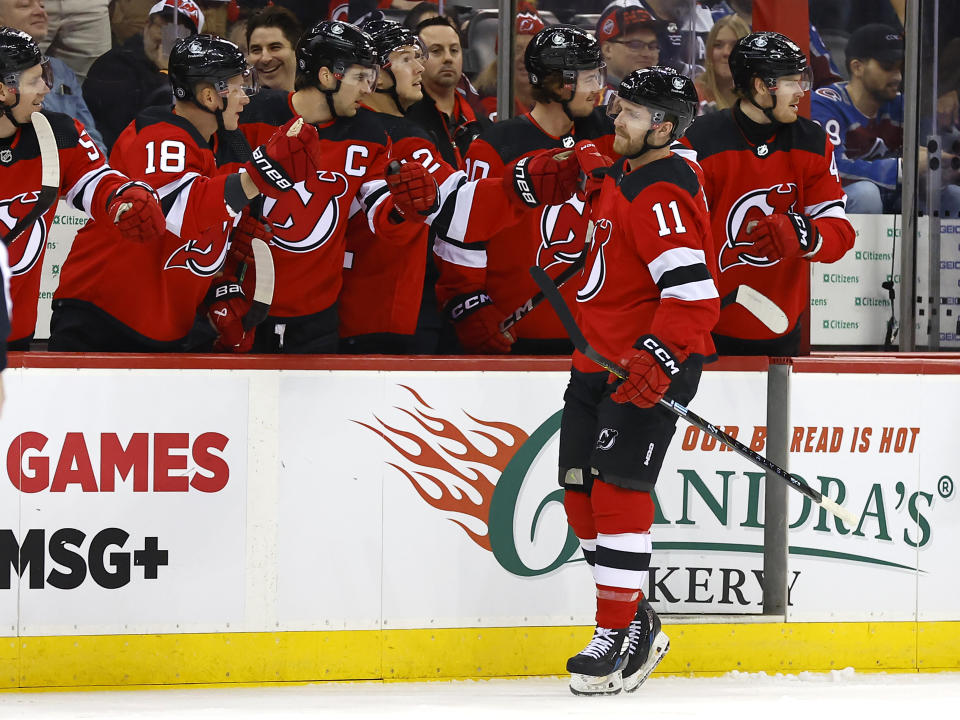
(157, 462)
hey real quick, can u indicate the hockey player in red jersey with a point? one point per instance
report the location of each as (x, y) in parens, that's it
(86, 181)
(649, 299)
(774, 192)
(385, 298)
(145, 298)
(567, 75)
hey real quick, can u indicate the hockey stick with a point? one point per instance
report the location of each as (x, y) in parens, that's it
(580, 343)
(49, 176)
(521, 312)
(760, 306)
(263, 292)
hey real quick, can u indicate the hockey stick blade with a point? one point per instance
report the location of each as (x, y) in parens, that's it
(263, 292)
(49, 176)
(760, 306)
(576, 266)
(580, 343)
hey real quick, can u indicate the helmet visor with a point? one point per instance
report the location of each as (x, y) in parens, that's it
(634, 113)
(792, 84)
(360, 76)
(593, 80)
(34, 83)
(407, 55)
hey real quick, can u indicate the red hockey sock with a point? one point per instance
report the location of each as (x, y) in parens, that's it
(623, 519)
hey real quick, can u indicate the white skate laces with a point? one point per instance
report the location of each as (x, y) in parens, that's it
(603, 640)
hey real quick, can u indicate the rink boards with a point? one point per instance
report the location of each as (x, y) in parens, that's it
(258, 520)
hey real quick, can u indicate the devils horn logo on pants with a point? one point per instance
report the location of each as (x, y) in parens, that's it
(748, 208)
(606, 439)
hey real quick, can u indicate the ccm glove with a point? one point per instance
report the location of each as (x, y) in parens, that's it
(290, 155)
(477, 324)
(413, 188)
(652, 366)
(228, 305)
(545, 178)
(594, 165)
(135, 210)
(784, 236)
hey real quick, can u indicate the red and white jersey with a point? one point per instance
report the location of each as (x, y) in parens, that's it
(86, 181)
(156, 288)
(310, 221)
(651, 265)
(791, 169)
(550, 236)
(383, 280)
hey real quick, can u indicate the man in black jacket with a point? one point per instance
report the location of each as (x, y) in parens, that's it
(125, 80)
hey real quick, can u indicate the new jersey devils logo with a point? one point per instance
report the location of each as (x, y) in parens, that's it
(596, 262)
(296, 225)
(561, 227)
(752, 206)
(199, 258)
(26, 251)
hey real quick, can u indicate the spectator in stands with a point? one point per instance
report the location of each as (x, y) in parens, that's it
(420, 12)
(529, 23)
(628, 37)
(445, 112)
(685, 26)
(715, 84)
(272, 36)
(128, 79)
(127, 18)
(864, 119)
(822, 65)
(65, 96)
(79, 32)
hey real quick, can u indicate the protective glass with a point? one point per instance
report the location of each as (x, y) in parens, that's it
(364, 77)
(592, 80)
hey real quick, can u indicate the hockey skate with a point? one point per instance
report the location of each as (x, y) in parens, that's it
(647, 645)
(595, 670)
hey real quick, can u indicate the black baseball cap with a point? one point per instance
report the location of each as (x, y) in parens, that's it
(877, 42)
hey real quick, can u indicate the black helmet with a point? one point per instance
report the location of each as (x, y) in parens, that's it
(387, 36)
(767, 55)
(561, 48)
(662, 89)
(205, 59)
(18, 52)
(335, 45)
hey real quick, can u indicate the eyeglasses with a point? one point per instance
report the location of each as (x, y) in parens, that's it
(639, 45)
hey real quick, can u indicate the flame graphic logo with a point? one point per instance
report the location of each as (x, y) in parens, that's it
(450, 471)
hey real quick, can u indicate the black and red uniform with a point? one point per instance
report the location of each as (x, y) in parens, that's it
(118, 295)
(752, 170)
(86, 182)
(550, 236)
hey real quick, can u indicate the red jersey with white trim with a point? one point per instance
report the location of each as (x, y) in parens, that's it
(310, 221)
(156, 288)
(86, 182)
(551, 236)
(751, 171)
(651, 265)
(383, 282)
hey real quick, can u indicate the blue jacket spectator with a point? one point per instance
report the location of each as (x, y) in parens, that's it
(67, 97)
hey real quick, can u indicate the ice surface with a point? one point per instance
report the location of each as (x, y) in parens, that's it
(739, 696)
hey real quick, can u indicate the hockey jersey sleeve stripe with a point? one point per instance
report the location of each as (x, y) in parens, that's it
(685, 152)
(453, 218)
(474, 257)
(355, 207)
(174, 201)
(81, 194)
(448, 189)
(692, 291)
(676, 257)
(683, 275)
(831, 208)
(371, 194)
